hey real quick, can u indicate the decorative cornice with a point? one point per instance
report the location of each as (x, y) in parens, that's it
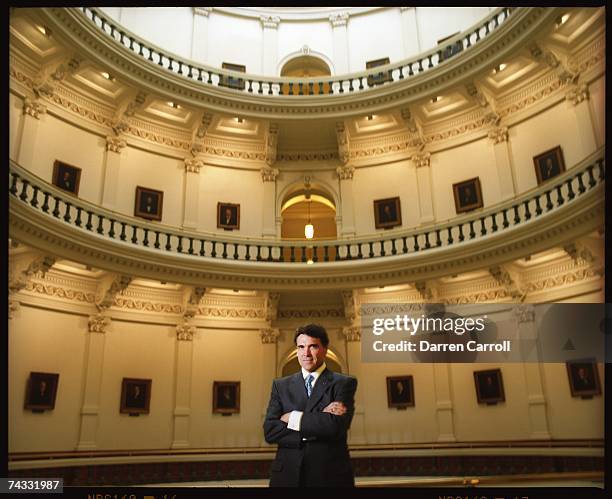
(271, 143)
(269, 335)
(202, 11)
(111, 286)
(343, 142)
(307, 156)
(269, 174)
(338, 19)
(234, 313)
(270, 22)
(561, 280)
(114, 144)
(193, 165)
(315, 313)
(578, 94)
(60, 292)
(147, 306)
(98, 323)
(13, 306)
(524, 313)
(352, 333)
(185, 332)
(508, 281)
(194, 297)
(499, 134)
(345, 172)
(33, 108)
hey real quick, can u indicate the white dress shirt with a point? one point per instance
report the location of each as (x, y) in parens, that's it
(295, 418)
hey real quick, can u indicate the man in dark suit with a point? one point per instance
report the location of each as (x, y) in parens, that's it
(308, 416)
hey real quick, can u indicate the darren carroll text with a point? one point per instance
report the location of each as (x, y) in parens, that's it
(427, 346)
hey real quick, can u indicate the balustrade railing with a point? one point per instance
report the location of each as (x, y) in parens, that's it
(266, 85)
(50, 201)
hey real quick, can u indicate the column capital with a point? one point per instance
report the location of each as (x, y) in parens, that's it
(578, 94)
(422, 159)
(404, 9)
(524, 313)
(114, 144)
(202, 11)
(270, 22)
(338, 19)
(499, 134)
(269, 174)
(345, 172)
(185, 332)
(193, 165)
(269, 335)
(33, 108)
(352, 333)
(98, 323)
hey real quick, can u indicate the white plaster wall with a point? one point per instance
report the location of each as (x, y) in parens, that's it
(15, 124)
(366, 47)
(475, 159)
(146, 169)
(56, 139)
(381, 182)
(135, 350)
(227, 355)
(292, 36)
(52, 342)
(435, 23)
(555, 126)
(597, 103)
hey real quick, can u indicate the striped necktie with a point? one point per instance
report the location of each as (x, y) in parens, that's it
(309, 379)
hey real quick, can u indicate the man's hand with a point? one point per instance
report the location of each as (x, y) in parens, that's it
(285, 417)
(336, 408)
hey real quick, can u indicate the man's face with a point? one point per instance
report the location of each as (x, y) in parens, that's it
(228, 212)
(310, 352)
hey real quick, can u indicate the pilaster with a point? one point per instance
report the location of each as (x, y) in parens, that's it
(32, 113)
(199, 38)
(182, 401)
(112, 169)
(192, 192)
(345, 177)
(270, 44)
(340, 39)
(503, 161)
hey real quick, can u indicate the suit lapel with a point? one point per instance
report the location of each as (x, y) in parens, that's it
(319, 389)
(298, 388)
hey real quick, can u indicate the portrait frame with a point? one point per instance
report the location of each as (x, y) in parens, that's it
(60, 169)
(545, 170)
(449, 50)
(583, 386)
(400, 398)
(468, 195)
(234, 222)
(394, 217)
(45, 402)
(380, 78)
(226, 397)
(140, 207)
(230, 82)
(492, 392)
(128, 394)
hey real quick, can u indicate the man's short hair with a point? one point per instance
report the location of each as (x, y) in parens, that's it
(314, 331)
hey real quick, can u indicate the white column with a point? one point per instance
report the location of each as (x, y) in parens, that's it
(182, 401)
(503, 162)
(410, 31)
(579, 98)
(268, 176)
(340, 40)
(112, 160)
(538, 420)
(199, 37)
(422, 162)
(444, 403)
(352, 343)
(269, 359)
(93, 378)
(347, 210)
(192, 192)
(32, 111)
(270, 44)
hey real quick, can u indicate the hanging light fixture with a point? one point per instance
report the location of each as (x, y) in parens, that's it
(309, 228)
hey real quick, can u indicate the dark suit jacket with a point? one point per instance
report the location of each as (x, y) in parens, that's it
(322, 460)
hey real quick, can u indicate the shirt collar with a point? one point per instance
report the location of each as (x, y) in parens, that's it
(316, 373)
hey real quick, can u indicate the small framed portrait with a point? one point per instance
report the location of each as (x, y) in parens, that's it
(226, 397)
(400, 392)
(549, 164)
(468, 195)
(66, 177)
(583, 378)
(387, 213)
(378, 78)
(489, 386)
(230, 82)
(41, 391)
(149, 203)
(135, 396)
(228, 216)
(449, 50)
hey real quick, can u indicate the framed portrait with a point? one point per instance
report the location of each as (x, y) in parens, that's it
(583, 378)
(387, 213)
(226, 397)
(228, 216)
(66, 177)
(41, 391)
(149, 203)
(449, 49)
(468, 195)
(135, 396)
(230, 82)
(400, 392)
(378, 78)
(549, 164)
(489, 386)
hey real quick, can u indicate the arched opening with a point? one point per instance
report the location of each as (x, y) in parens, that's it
(300, 208)
(305, 66)
(291, 364)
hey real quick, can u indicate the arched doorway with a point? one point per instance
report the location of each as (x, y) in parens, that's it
(305, 66)
(292, 366)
